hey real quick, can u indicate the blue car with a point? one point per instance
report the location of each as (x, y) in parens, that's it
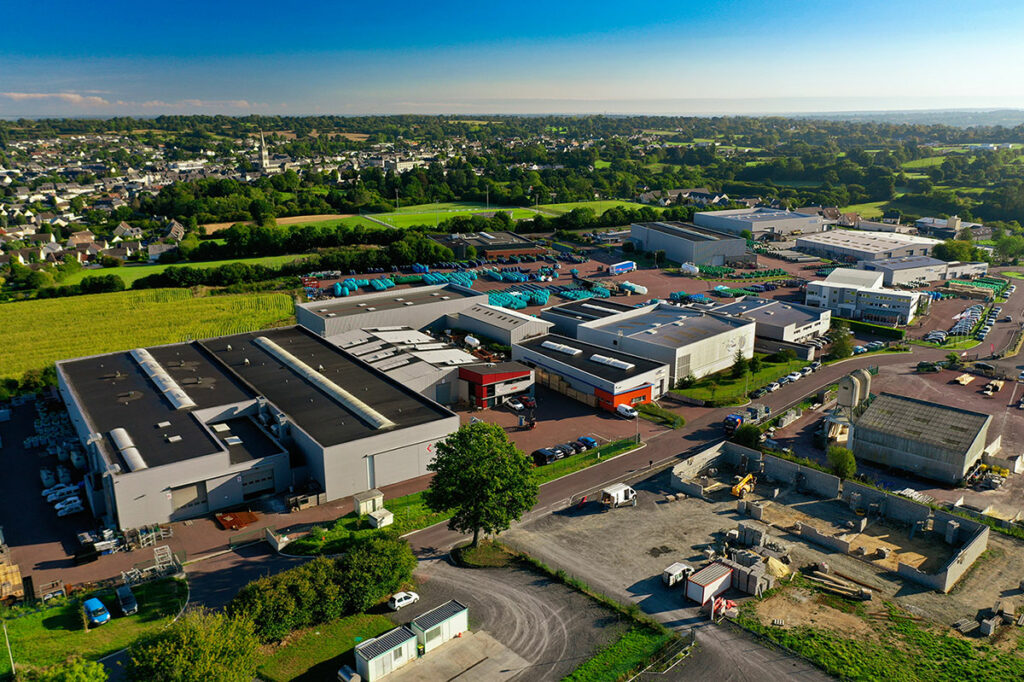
(587, 442)
(96, 612)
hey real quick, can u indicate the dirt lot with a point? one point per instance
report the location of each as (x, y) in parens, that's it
(292, 220)
(649, 537)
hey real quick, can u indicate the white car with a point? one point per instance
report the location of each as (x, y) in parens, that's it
(57, 488)
(61, 494)
(774, 386)
(795, 376)
(68, 511)
(515, 405)
(68, 502)
(626, 411)
(400, 599)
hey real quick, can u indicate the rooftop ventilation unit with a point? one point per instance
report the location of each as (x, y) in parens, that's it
(233, 440)
(343, 397)
(561, 348)
(486, 235)
(163, 425)
(163, 381)
(591, 306)
(173, 439)
(126, 447)
(612, 362)
(219, 428)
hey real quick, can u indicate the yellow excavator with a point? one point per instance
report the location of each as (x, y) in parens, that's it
(746, 485)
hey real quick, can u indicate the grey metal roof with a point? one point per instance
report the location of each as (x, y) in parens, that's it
(389, 641)
(771, 311)
(392, 299)
(689, 232)
(709, 574)
(904, 263)
(438, 615)
(583, 362)
(669, 326)
(949, 428)
(498, 317)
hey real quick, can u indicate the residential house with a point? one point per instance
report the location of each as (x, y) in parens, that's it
(80, 237)
(126, 231)
(175, 231)
(154, 251)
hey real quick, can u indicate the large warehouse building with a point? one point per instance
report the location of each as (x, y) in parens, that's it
(592, 374)
(498, 324)
(855, 245)
(778, 320)
(762, 223)
(912, 269)
(931, 440)
(417, 307)
(859, 295)
(690, 342)
(174, 432)
(685, 243)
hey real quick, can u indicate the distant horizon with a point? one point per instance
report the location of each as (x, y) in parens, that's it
(724, 57)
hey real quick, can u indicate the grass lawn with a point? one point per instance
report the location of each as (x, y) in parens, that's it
(868, 210)
(602, 164)
(732, 391)
(52, 635)
(130, 273)
(487, 553)
(38, 332)
(317, 653)
(1014, 275)
(351, 221)
(890, 647)
(598, 207)
(410, 512)
(659, 415)
(632, 651)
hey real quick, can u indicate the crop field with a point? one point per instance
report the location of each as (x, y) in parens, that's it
(598, 207)
(40, 332)
(926, 162)
(130, 273)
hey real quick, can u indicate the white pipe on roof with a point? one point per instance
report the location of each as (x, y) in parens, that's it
(129, 453)
(163, 381)
(346, 399)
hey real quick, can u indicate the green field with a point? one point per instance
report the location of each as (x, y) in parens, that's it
(633, 650)
(38, 332)
(317, 653)
(130, 273)
(435, 214)
(598, 207)
(873, 209)
(53, 634)
(926, 162)
(727, 390)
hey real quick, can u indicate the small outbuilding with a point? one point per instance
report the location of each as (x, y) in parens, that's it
(437, 626)
(382, 655)
(368, 501)
(708, 583)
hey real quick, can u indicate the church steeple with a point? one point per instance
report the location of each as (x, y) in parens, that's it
(264, 154)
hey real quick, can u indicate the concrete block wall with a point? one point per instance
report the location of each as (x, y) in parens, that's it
(965, 558)
(936, 581)
(868, 496)
(780, 470)
(968, 528)
(830, 541)
(905, 511)
(820, 483)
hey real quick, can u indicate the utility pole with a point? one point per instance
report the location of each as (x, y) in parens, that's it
(488, 194)
(396, 199)
(9, 654)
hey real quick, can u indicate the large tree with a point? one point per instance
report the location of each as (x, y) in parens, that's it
(483, 477)
(842, 347)
(198, 647)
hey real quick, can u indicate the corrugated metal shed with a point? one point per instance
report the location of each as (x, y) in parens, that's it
(709, 574)
(438, 615)
(389, 641)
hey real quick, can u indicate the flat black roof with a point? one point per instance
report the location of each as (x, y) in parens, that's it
(582, 361)
(483, 240)
(309, 407)
(589, 308)
(689, 231)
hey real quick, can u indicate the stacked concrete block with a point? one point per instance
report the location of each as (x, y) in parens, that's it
(854, 501)
(756, 510)
(952, 532)
(989, 626)
(741, 506)
(746, 558)
(751, 537)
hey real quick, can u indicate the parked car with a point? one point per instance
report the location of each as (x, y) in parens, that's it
(784, 380)
(68, 511)
(757, 393)
(126, 600)
(73, 501)
(626, 411)
(572, 447)
(95, 611)
(528, 401)
(806, 371)
(816, 365)
(58, 488)
(545, 456)
(774, 386)
(515, 405)
(857, 350)
(400, 599)
(795, 376)
(587, 442)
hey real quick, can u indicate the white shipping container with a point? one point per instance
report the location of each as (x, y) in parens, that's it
(708, 583)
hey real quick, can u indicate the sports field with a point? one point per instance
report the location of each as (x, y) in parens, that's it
(41, 331)
(130, 273)
(598, 207)
(435, 214)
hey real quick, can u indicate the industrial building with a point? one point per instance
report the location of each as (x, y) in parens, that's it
(498, 324)
(911, 269)
(690, 342)
(762, 223)
(491, 384)
(409, 357)
(593, 374)
(931, 440)
(949, 228)
(852, 246)
(859, 295)
(686, 243)
(489, 244)
(778, 320)
(178, 431)
(417, 308)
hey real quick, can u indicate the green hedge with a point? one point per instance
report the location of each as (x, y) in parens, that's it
(325, 589)
(877, 329)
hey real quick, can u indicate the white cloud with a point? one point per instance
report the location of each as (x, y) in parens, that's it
(69, 97)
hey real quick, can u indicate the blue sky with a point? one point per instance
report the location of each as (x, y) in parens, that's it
(75, 58)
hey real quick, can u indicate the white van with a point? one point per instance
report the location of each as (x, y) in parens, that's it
(626, 411)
